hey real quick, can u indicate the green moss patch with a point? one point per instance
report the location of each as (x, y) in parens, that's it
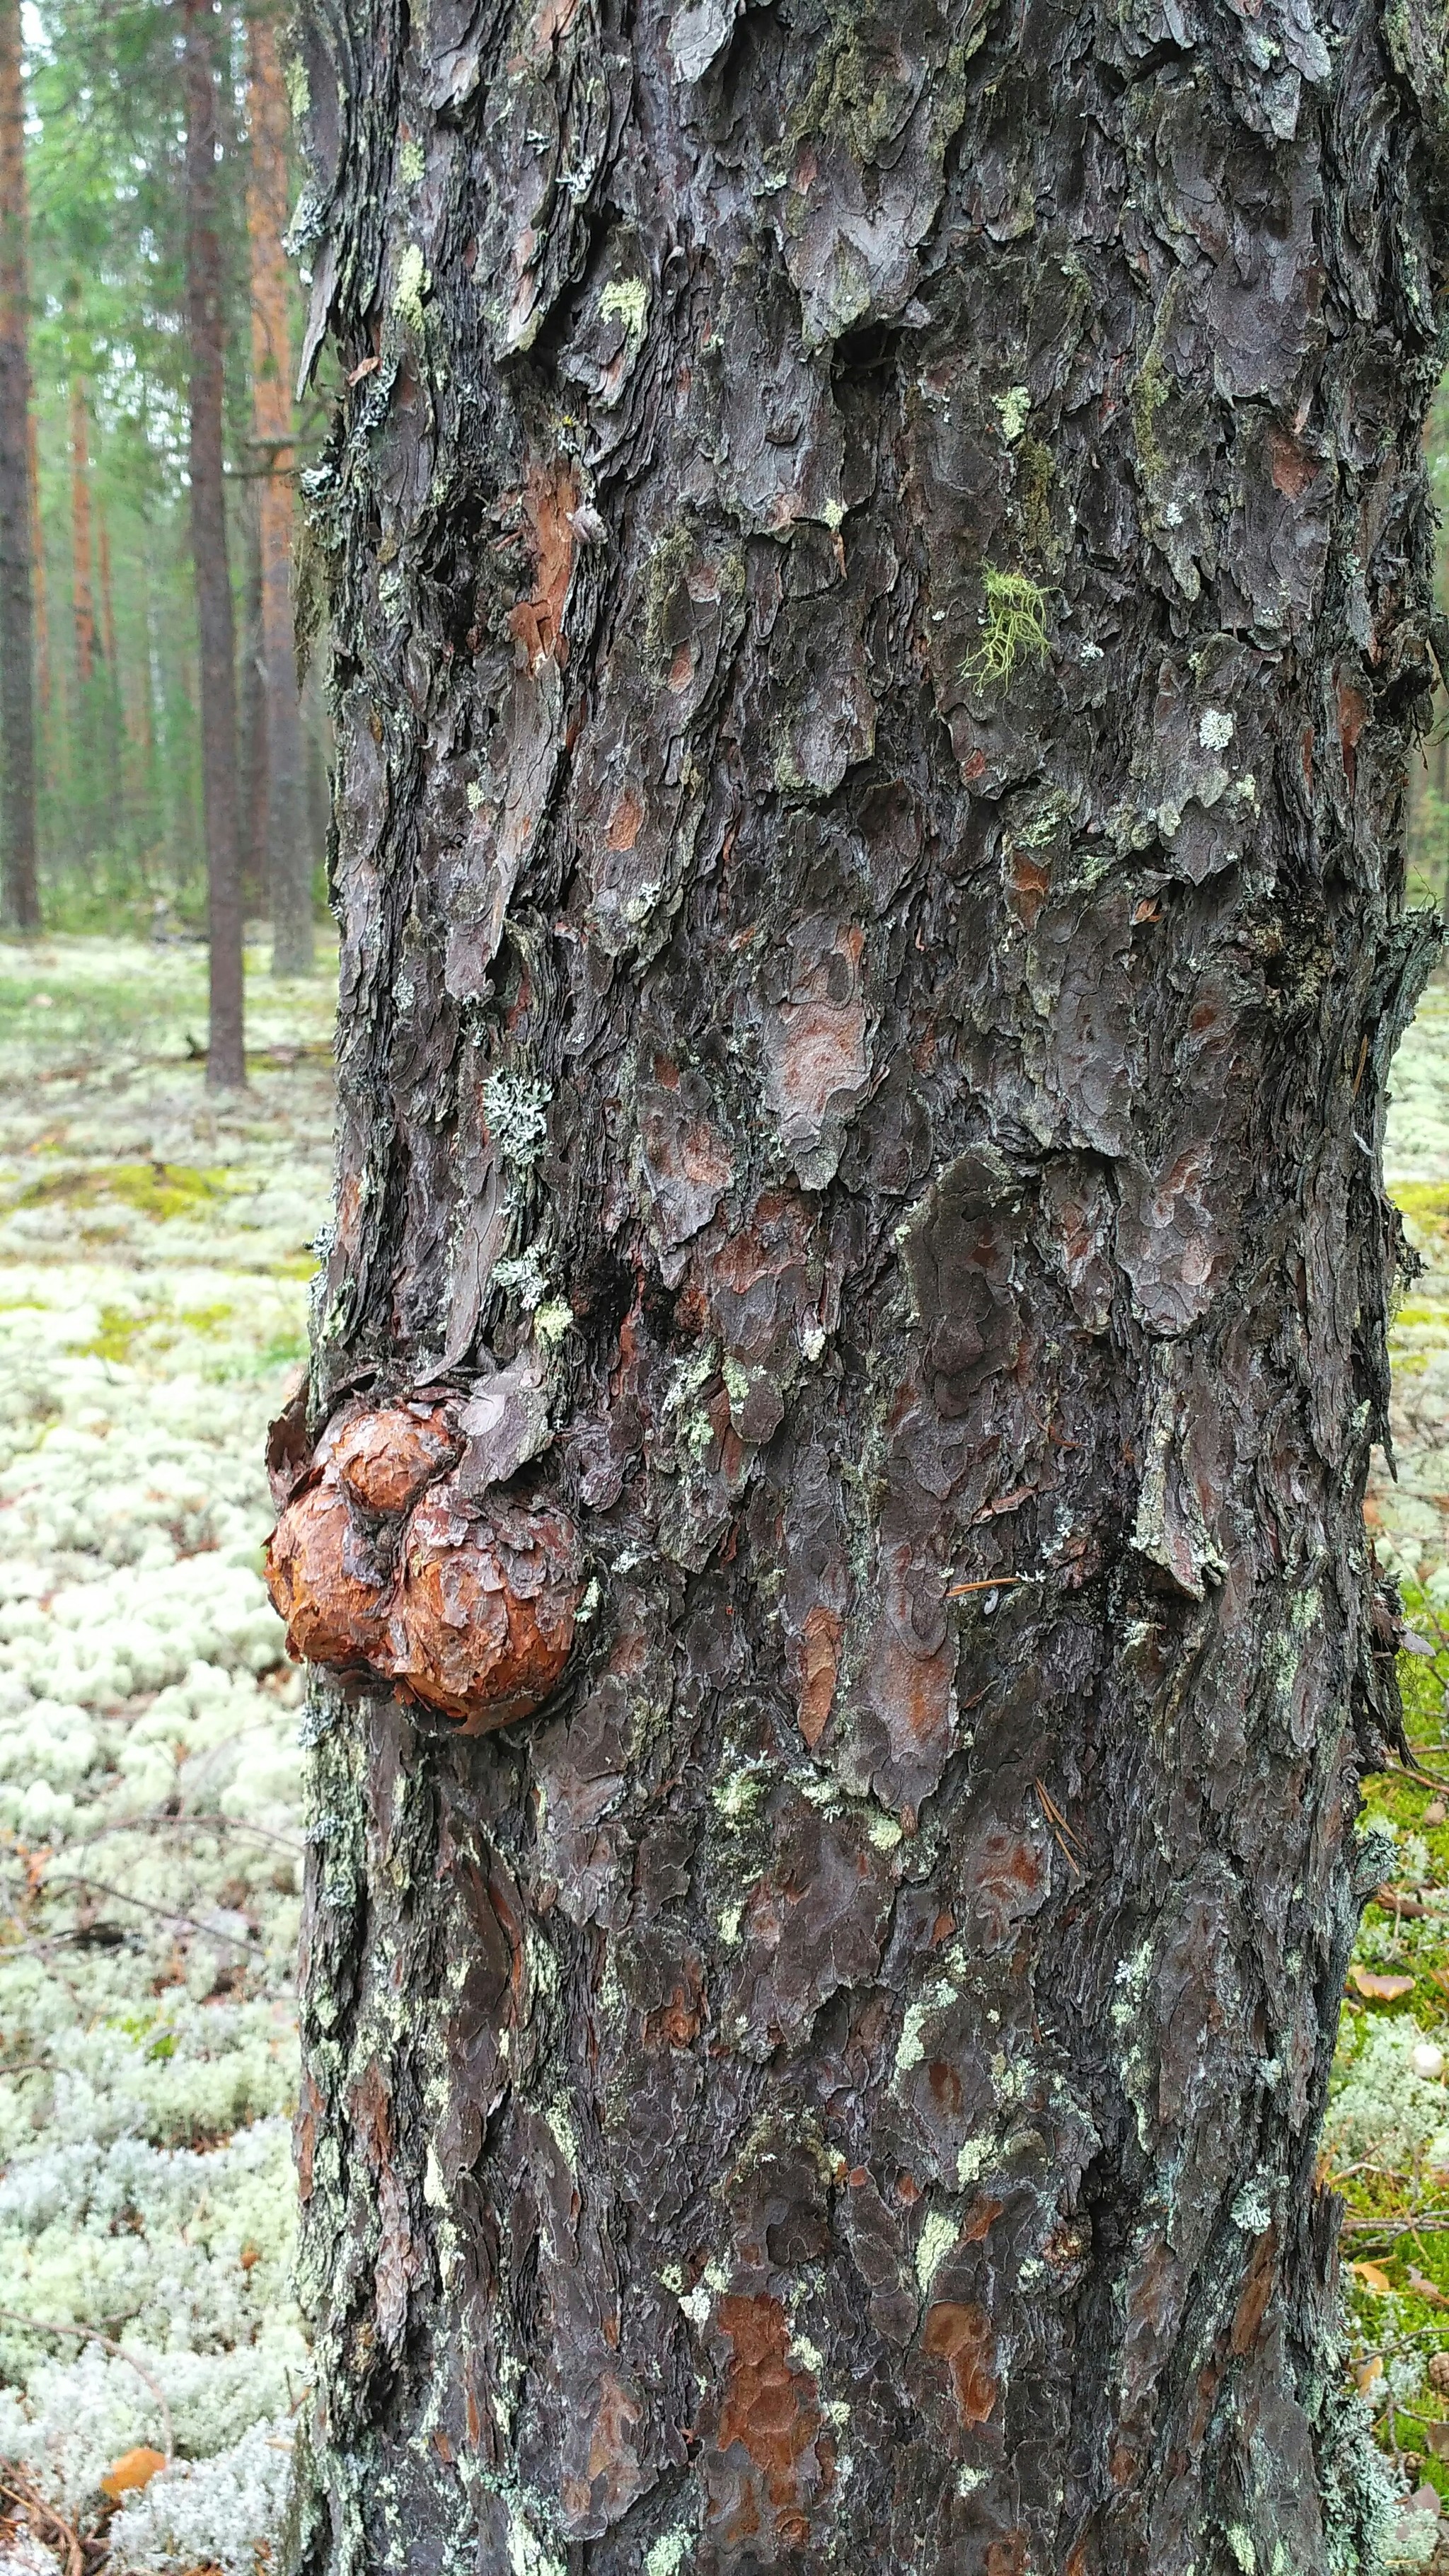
(157, 1190)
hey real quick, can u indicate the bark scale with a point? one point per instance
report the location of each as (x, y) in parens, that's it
(206, 328)
(879, 583)
(19, 891)
(289, 855)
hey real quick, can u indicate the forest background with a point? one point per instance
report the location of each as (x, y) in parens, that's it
(119, 773)
(118, 757)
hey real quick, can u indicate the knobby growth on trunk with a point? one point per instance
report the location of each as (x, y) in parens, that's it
(205, 327)
(19, 893)
(289, 857)
(879, 573)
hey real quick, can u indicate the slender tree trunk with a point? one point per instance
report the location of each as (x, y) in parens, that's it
(289, 857)
(82, 551)
(108, 604)
(226, 1062)
(19, 892)
(114, 726)
(252, 731)
(38, 590)
(149, 676)
(880, 571)
(317, 739)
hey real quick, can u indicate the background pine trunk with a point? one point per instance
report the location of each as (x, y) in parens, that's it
(226, 1065)
(252, 724)
(19, 894)
(289, 855)
(879, 583)
(82, 551)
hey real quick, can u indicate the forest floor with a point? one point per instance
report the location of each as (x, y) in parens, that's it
(1386, 2144)
(154, 1253)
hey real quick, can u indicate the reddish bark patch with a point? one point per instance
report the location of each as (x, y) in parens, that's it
(305, 2138)
(678, 2021)
(1027, 886)
(819, 1661)
(551, 495)
(815, 1043)
(625, 822)
(1293, 469)
(1256, 2292)
(981, 2217)
(385, 1459)
(770, 2406)
(945, 2085)
(323, 1583)
(963, 2339)
(483, 1620)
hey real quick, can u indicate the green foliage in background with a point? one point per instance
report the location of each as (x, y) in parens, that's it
(118, 755)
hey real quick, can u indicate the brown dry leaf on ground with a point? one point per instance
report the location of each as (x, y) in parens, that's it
(1379, 1989)
(132, 2471)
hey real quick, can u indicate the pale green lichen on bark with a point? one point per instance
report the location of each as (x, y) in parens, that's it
(1014, 630)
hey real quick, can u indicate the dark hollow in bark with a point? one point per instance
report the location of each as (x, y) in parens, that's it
(879, 576)
(19, 892)
(206, 325)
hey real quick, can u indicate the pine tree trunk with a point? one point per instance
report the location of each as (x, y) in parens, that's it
(82, 552)
(19, 892)
(879, 576)
(289, 857)
(114, 709)
(226, 1063)
(252, 726)
(37, 578)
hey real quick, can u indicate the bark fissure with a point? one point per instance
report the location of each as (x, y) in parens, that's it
(878, 581)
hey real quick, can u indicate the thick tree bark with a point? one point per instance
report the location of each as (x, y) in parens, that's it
(879, 580)
(289, 856)
(206, 323)
(19, 891)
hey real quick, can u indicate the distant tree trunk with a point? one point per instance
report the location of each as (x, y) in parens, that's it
(880, 568)
(317, 737)
(114, 727)
(108, 604)
(289, 857)
(82, 552)
(226, 1062)
(37, 576)
(19, 892)
(252, 727)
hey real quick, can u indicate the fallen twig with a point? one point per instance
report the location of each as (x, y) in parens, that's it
(165, 1913)
(32, 2503)
(1058, 1827)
